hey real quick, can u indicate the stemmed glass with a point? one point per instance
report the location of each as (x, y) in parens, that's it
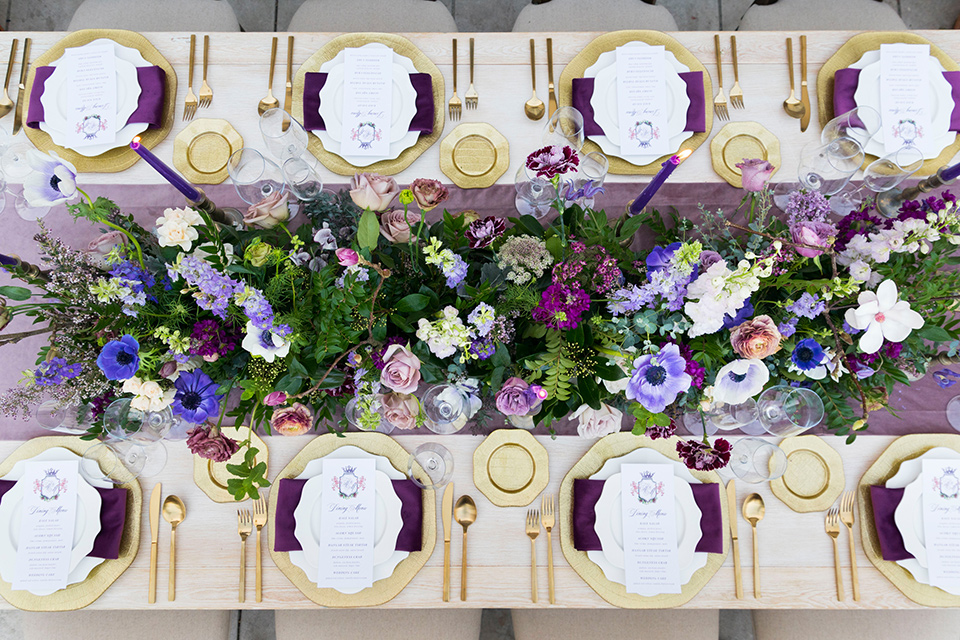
(564, 128)
(590, 176)
(756, 460)
(827, 168)
(882, 175)
(123, 422)
(721, 416)
(535, 196)
(436, 460)
(56, 416)
(953, 412)
(354, 413)
(443, 406)
(254, 177)
(122, 461)
(15, 162)
(788, 411)
(302, 179)
(860, 124)
(284, 136)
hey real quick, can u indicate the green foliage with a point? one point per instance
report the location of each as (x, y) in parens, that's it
(249, 476)
(646, 419)
(554, 366)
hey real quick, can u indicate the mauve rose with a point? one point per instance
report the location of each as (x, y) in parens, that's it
(756, 338)
(347, 257)
(168, 369)
(394, 227)
(709, 258)
(596, 423)
(515, 398)
(275, 398)
(755, 173)
(218, 448)
(103, 244)
(814, 233)
(373, 191)
(269, 212)
(428, 193)
(400, 410)
(294, 420)
(401, 369)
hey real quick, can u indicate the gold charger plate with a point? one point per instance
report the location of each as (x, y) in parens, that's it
(609, 42)
(850, 52)
(79, 595)
(421, 62)
(614, 446)
(212, 476)
(202, 150)
(903, 448)
(814, 478)
(474, 155)
(738, 141)
(511, 468)
(383, 590)
(122, 157)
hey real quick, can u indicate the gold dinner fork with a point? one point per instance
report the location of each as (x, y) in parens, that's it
(549, 520)
(533, 530)
(206, 93)
(454, 105)
(846, 515)
(259, 520)
(736, 94)
(190, 104)
(244, 528)
(832, 526)
(471, 98)
(720, 102)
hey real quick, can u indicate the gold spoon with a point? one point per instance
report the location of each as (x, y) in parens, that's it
(269, 102)
(174, 512)
(465, 513)
(6, 104)
(792, 105)
(753, 511)
(534, 106)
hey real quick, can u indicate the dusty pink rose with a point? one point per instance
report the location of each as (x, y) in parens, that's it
(373, 191)
(269, 212)
(817, 234)
(756, 338)
(347, 257)
(401, 369)
(517, 398)
(102, 245)
(400, 410)
(596, 423)
(394, 227)
(428, 193)
(294, 420)
(218, 448)
(275, 398)
(755, 173)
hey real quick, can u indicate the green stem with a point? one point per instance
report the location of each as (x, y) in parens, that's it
(118, 228)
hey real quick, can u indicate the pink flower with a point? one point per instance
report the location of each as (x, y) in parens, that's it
(373, 191)
(400, 410)
(269, 212)
(819, 234)
(102, 245)
(517, 398)
(755, 338)
(401, 369)
(552, 161)
(347, 257)
(394, 227)
(275, 398)
(428, 193)
(596, 423)
(292, 421)
(755, 173)
(218, 448)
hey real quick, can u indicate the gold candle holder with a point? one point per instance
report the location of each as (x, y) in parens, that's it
(226, 216)
(889, 202)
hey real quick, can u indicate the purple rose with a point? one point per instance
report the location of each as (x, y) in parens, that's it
(755, 173)
(709, 258)
(818, 234)
(216, 447)
(518, 398)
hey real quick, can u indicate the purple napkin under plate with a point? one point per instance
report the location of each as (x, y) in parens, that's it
(289, 491)
(845, 83)
(113, 514)
(149, 106)
(696, 113)
(586, 492)
(885, 502)
(422, 84)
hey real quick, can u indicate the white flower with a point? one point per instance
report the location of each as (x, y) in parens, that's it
(325, 238)
(176, 228)
(882, 315)
(147, 394)
(829, 364)
(446, 335)
(860, 270)
(266, 344)
(52, 180)
(596, 423)
(739, 380)
(624, 362)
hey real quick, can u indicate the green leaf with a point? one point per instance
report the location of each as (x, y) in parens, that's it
(630, 226)
(500, 358)
(590, 391)
(934, 333)
(15, 293)
(368, 231)
(413, 302)
(609, 372)
(530, 225)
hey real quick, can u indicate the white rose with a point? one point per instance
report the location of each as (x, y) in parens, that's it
(132, 385)
(176, 234)
(596, 423)
(151, 390)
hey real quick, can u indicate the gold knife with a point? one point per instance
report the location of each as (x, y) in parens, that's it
(154, 539)
(288, 92)
(804, 94)
(552, 100)
(24, 66)
(446, 514)
(734, 540)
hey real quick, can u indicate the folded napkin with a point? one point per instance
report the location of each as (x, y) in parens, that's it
(845, 83)
(113, 514)
(586, 492)
(149, 106)
(289, 491)
(422, 84)
(885, 502)
(696, 113)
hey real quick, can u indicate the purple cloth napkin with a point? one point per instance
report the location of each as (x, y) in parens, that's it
(422, 84)
(586, 492)
(845, 83)
(113, 514)
(288, 497)
(696, 113)
(149, 106)
(885, 502)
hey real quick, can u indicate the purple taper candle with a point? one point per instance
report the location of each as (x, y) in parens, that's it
(647, 194)
(950, 173)
(188, 190)
(8, 260)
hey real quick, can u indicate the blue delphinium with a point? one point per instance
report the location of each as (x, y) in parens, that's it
(53, 372)
(120, 359)
(196, 399)
(807, 306)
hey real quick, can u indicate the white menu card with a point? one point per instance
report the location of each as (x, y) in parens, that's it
(91, 94)
(367, 101)
(347, 523)
(649, 529)
(47, 524)
(642, 101)
(905, 96)
(941, 522)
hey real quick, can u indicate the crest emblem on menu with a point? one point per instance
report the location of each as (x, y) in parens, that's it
(948, 485)
(91, 126)
(347, 484)
(907, 131)
(644, 133)
(647, 490)
(366, 134)
(50, 486)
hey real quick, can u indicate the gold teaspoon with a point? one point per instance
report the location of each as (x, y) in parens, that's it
(534, 106)
(174, 512)
(465, 513)
(269, 101)
(753, 510)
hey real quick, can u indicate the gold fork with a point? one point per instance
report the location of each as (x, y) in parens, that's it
(846, 515)
(206, 93)
(549, 519)
(454, 105)
(533, 530)
(259, 520)
(471, 98)
(832, 526)
(244, 528)
(736, 94)
(720, 102)
(190, 105)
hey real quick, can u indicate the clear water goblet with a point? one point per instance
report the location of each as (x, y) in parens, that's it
(535, 196)
(123, 422)
(757, 460)
(15, 162)
(564, 128)
(861, 124)
(253, 176)
(284, 136)
(65, 418)
(437, 463)
(443, 406)
(302, 179)
(788, 411)
(827, 168)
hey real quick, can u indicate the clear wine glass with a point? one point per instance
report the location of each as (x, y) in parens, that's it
(696, 422)
(861, 124)
(443, 406)
(564, 128)
(122, 422)
(756, 460)
(788, 411)
(889, 171)
(592, 171)
(26, 211)
(827, 168)
(953, 412)
(67, 418)
(102, 463)
(284, 136)
(302, 179)
(436, 460)
(254, 177)
(15, 162)
(535, 196)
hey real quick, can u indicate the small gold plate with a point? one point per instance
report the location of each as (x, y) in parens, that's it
(510, 468)
(212, 476)
(202, 149)
(474, 155)
(814, 478)
(739, 141)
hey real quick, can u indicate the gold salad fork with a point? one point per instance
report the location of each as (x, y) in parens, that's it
(454, 105)
(533, 530)
(190, 104)
(720, 102)
(549, 520)
(736, 94)
(471, 98)
(206, 93)
(244, 528)
(832, 526)
(846, 515)
(259, 520)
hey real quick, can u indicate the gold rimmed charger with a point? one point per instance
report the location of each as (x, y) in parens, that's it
(79, 595)
(382, 590)
(609, 42)
(739, 141)
(122, 157)
(212, 476)
(814, 477)
(400, 45)
(511, 468)
(202, 150)
(474, 155)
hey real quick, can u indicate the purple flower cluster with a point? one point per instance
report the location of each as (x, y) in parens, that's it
(694, 369)
(655, 431)
(702, 456)
(743, 313)
(630, 299)
(551, 161)
(589, 268)
(54, 372)
(854, 224)
(138, 280)
(807, 206)
(788, 327)
(561, 307)
(455, 271)
(807, 306)
(377, 354)
(209, 339)
(483, 348)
